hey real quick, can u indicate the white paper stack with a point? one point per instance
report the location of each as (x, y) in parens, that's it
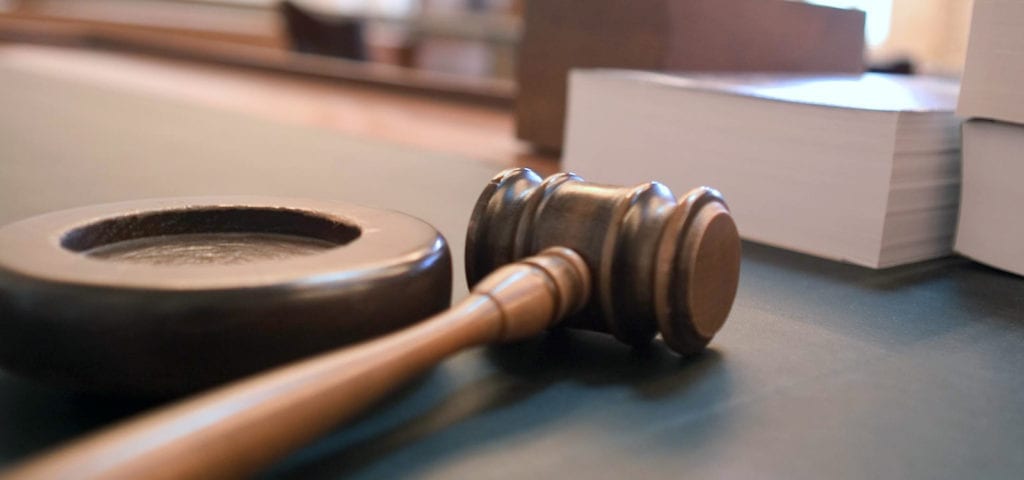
(863, 169)
(994, 68)
(991, 226)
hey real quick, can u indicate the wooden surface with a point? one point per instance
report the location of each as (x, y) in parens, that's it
(823, 370)
(209, 20)
(470, 130)
(711, 35)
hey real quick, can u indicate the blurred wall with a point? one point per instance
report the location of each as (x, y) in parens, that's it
(931, 32)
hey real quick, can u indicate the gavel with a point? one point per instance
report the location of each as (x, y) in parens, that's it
(631, 262)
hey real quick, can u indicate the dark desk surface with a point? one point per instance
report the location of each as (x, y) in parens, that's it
(823, 370)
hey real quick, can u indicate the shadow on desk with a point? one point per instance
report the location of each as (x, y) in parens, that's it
(537, 382)
(532, 386)
(885, 306)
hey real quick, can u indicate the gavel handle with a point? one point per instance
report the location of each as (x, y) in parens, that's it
(235, 430)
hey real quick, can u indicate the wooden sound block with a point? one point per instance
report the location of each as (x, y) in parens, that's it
(163, 297)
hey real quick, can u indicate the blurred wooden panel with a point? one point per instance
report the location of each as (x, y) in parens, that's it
(217, 21)
(456, 87)
(254, 43)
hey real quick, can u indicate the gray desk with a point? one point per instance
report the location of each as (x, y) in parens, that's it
(823, 371)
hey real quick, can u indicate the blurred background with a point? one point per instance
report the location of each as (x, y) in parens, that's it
(476, 39)
(441, 75)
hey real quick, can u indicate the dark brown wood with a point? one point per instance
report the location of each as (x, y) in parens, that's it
(719, 35)
(164, 297)
(319, 34)
(659, 264)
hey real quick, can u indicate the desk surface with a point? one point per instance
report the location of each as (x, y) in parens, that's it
(469, 130)
(824, 370)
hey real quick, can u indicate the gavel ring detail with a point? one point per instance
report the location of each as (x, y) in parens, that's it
(658, 264)
(626, 261)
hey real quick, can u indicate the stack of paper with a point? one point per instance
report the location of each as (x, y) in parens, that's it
(991, 222)
(861, 168)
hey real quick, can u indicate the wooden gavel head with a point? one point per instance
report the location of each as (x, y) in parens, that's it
(658, 263)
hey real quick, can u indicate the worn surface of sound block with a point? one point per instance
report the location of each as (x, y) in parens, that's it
(671, 35)
(162, 297)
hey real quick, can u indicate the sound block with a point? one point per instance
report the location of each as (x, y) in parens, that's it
(164, 297)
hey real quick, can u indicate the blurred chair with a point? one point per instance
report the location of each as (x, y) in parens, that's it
(322, 34)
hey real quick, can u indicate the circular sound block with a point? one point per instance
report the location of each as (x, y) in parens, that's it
(163, 297)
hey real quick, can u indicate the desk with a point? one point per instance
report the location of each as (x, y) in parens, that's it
(824, 370)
